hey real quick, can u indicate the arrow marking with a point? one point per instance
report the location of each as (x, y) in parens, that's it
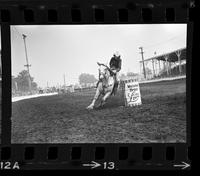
(93, 165)
(183, 165)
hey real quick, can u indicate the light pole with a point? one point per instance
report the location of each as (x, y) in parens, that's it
(27, 63)
(141, 48)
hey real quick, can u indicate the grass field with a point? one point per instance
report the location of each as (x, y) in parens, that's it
(64, 119)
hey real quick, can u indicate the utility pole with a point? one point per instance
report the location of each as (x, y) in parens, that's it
(27, 63)
(64, 83)
(141, 48)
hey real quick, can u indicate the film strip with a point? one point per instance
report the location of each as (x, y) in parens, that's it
(174, 156)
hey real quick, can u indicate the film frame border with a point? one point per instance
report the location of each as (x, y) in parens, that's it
(99, 12)
(119, 13)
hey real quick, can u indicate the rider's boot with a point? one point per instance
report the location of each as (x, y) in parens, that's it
(115, 87)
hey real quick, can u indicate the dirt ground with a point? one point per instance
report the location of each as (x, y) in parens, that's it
(64, 119)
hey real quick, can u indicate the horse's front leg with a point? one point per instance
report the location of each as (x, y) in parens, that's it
(106, 96)
(97, 94)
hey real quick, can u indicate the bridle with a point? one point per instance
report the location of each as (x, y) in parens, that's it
(104, 74)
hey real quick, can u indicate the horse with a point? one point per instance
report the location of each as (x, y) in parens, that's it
(105, 85)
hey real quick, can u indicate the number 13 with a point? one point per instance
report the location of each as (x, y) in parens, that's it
(109, 165)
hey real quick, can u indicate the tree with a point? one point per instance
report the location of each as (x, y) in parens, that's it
(86, 78)
(21, 82)
(34, 86)
(14, 84)
(131, 74)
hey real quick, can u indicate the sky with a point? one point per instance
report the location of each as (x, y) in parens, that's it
(55, 50)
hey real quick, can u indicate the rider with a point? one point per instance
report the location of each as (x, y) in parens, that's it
(115, 66)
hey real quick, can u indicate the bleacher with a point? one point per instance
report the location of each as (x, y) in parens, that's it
(174, 71)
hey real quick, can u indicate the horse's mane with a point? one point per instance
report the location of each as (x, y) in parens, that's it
(108, 71)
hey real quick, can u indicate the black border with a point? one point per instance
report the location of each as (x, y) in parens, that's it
(134, 10)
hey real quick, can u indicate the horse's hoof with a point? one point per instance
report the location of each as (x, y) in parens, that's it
(89, 108)
(103, 103)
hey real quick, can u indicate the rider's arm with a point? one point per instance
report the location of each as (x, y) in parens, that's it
(111, 60)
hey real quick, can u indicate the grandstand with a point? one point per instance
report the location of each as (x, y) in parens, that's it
(165, 65)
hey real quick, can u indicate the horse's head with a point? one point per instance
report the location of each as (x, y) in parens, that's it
(103, 72)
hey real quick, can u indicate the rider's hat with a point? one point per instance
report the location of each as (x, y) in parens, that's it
(116, 53)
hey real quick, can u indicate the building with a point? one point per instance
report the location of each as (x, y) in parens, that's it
(167, 64)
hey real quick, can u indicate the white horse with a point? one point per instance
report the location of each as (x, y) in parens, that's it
(105, 85)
